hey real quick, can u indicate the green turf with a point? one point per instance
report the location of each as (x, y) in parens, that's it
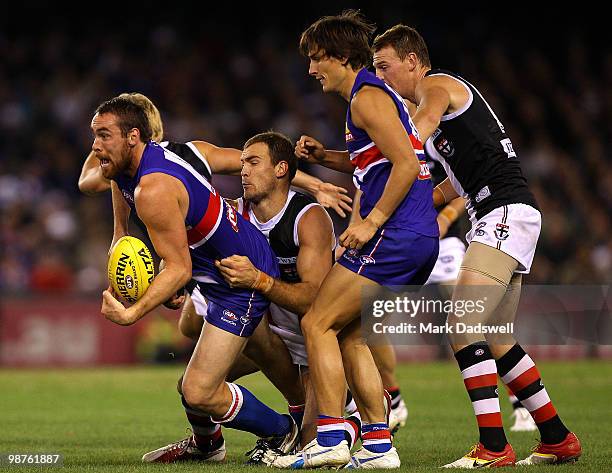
(105, 419)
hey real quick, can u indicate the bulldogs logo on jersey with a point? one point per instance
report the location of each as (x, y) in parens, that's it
(231, 216)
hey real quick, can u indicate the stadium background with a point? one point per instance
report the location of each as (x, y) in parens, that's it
(223, 75)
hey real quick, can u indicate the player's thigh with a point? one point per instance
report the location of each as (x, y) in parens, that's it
(213, 357)
(338, 301)
(190, 322)
(485, 265)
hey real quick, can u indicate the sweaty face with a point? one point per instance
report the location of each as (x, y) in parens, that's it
(395, 72)
(109, 146)
(258, 173)
(327, 70)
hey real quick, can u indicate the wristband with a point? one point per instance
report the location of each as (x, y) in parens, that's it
(263, 283)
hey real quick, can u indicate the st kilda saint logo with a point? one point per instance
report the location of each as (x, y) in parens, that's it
(502, 231)
(444, 146)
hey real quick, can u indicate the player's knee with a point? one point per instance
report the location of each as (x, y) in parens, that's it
(203, 396)
(308, 324)
(315, 324)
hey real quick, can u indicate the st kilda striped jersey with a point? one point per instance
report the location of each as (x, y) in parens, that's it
(477, 155)
(372, 169)
(282, 231)
(214, 229)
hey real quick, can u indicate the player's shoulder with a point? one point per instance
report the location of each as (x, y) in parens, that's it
(300, 199)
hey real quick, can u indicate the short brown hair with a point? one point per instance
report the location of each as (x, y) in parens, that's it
(280, 147)
(130, 114)
(345, 36)
(404, 40)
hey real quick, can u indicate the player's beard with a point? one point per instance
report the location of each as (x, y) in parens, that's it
(119, 165)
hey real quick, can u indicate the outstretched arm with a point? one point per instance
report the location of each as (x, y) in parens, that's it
(91, 180)
(227, 161)
(311, 150)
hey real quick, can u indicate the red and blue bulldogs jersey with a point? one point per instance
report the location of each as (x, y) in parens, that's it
(214, 231)
(416, 212)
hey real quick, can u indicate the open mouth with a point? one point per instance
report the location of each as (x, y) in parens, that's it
(104, 162)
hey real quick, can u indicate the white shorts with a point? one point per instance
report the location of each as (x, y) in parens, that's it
(513, 229)
(199, 302)
(287, 326)
(452, 250)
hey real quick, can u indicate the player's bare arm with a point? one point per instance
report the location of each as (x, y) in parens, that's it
(315, 233)
(444, 193)
(227, 161)
(375, 112)
(121, 214)
(436, 96)
(161, 203)
(311, 150)
(449, 214)
(327, 194)
(91, 180)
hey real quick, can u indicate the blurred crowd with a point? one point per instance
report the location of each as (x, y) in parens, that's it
(223, 84)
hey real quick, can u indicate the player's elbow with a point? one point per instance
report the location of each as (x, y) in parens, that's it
(91, 187)
(86, 187)
(426, 125)
(184, 276)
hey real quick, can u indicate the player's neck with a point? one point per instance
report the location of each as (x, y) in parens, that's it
(268, 207)
(137, 153)
(347, 84)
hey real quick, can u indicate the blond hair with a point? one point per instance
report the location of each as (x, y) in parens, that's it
(151, 111)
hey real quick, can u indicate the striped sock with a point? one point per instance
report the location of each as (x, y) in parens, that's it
(248, 413)
(297, 412)
(376, 437)
(519, 372)
(352, 429)
(480, 378)
(330, 430)
(206, 433)
(396, 396)
(350, 406)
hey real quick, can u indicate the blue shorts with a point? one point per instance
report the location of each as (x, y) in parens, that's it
(394, 257)
(236, 310)
(234, 318)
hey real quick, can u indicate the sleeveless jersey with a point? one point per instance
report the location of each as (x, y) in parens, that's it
(416, 211)
(214, 229)
(477, 155)
(282, 231)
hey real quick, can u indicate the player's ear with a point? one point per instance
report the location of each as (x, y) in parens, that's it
(412, 60)
(281, 169)
(133, 136)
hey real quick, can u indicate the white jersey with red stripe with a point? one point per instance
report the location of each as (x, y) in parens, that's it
(214, 229)
(372, 169)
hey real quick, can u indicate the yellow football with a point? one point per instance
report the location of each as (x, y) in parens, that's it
(130, 268)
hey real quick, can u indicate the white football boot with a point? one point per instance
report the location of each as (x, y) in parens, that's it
(523, 422)
(312, 455)
(367, 460)
(397, 417)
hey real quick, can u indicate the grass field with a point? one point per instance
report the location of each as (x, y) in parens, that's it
(105, 419)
